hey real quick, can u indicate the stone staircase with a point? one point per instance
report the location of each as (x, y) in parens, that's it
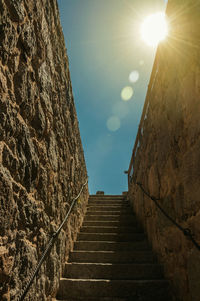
(112, 259)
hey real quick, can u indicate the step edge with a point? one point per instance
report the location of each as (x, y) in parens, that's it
(161, 280)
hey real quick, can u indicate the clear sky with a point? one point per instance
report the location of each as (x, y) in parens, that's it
(104, 46)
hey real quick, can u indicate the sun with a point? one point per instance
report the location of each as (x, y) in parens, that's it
(154, 29)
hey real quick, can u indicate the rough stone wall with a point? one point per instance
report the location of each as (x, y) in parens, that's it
(41, 158)
(168, 158)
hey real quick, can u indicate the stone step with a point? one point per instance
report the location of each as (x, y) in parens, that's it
(106, 197)
(138, 290)
(116, 212)
(100, 229)
(109, 208)
(123, 223)
(96, 299)
(111, 236)
(111, 246)
(107, 217)
(108, 202)
(112, 271)
(112, 256)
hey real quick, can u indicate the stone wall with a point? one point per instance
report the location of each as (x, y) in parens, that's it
(42, 163)
(167, 162)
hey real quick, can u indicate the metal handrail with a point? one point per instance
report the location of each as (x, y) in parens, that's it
(48, 248)
(186, 231)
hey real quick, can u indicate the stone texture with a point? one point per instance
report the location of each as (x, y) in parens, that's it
(168, 158)
(42, 165)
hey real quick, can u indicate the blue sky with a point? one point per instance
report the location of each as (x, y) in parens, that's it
(104, 46)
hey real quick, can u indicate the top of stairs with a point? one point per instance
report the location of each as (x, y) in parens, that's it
(107, 196)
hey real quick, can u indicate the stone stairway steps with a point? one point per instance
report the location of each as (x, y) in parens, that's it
(119, 223)
(112, 271)
(108, 208)
(112, 259)
(111, 246)
(105, 197)
(112, 229)
(141, 290)
(97, 299)
(111, 237)
(108, 212)
(103, 204)
(108, 202)
(117, 218)
(112, 256)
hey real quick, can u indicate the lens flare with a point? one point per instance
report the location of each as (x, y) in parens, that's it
(127, 93)
(134, 76)
(154, 29)
(113, 123)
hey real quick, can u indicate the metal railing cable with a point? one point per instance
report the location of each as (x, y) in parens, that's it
(48, 247)
(186, 231)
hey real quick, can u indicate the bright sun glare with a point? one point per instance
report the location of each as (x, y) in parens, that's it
(154, 29)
